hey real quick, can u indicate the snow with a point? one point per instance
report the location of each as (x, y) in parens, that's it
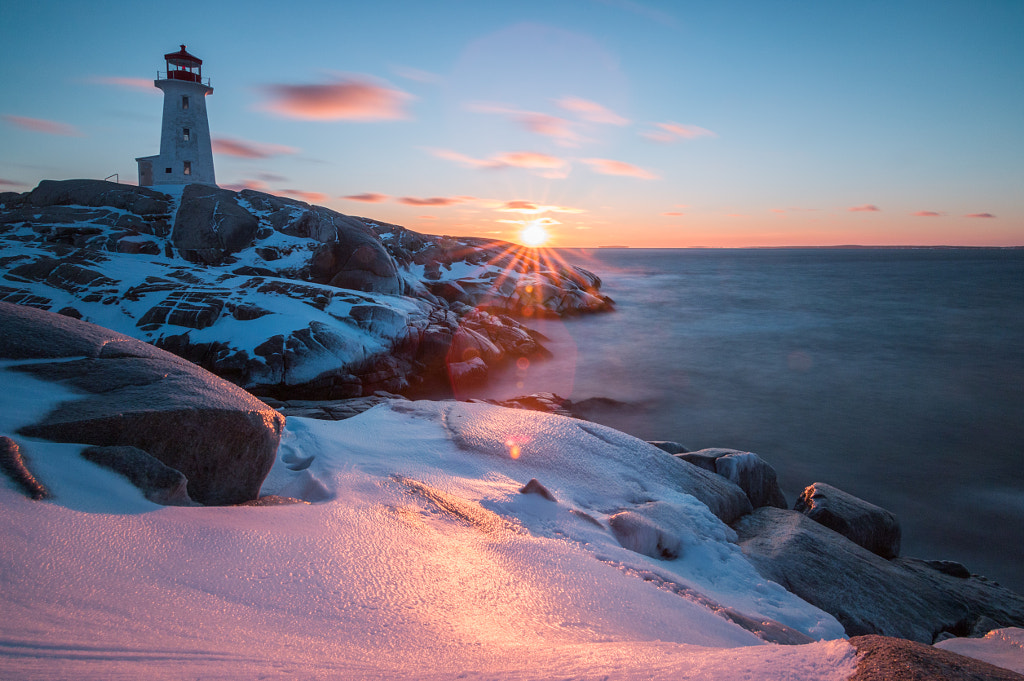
(418, 558)
(1001, 647)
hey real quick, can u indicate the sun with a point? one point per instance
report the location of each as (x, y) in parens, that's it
(534, 235)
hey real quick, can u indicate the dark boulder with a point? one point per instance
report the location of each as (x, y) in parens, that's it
(882, 658)
(669, 446)
(210, 225)
(754, 475)
(159, 483)
(98, 193)
(873, 527)
(905, 598)
(219, 436)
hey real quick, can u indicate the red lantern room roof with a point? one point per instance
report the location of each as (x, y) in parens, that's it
(183, 58)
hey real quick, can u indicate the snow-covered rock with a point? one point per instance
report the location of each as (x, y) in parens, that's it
(873, 527)
(1000, 647)
(417, 558)
(129, 393)
(494, 275)
(278, 296)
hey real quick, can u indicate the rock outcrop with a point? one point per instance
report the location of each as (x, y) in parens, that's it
(494, 275)
(754, 475)
(881, 658)
(220, 437)
(873, 527)
(12, 464)
(158, 482)
(283, 298)
(905, 598)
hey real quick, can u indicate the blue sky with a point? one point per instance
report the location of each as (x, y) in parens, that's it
(605, 121)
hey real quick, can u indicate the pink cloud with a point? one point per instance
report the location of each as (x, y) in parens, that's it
(607, 166)
(144, 84)
(351, 99)
(531, 208)
(44, 126)
(979, 215)
(561, 130)
(926, 214)
(462, 159)
(367, 197)
(308, 197)
(673, 132)
(866, 208)
(254, 185)
(673, 214)
(432, 201)
(246, 149)
(550, 126)
(591, 112)
(548, 166)
(527, 159)
(10, 183)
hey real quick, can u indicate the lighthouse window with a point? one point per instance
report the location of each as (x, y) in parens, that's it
(167, 170)
(185, 135)
(188, 167)
(184, 102)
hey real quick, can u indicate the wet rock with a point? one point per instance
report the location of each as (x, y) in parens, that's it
(873, 527)
(905, 598)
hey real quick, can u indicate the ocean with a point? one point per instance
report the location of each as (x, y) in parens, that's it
(894, 374)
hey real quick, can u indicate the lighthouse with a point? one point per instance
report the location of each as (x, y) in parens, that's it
(186, 154)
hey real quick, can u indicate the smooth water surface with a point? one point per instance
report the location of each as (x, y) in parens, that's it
(895, 374)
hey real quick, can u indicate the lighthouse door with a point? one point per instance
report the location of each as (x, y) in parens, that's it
(146, 173)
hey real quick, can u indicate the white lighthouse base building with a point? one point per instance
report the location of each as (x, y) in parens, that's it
(186, 151)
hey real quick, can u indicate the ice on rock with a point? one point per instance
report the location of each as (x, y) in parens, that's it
(639, 533)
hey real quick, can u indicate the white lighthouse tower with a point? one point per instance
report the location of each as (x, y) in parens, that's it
(186, 154)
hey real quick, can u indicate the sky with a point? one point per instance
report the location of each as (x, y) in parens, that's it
(602, 122)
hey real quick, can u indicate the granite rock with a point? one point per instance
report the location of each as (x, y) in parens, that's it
(873, 527)
(220, 437)
(905, 598)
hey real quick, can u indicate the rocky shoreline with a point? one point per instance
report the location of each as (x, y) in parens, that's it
(285, 299)
(832, 549)
(324, 316)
